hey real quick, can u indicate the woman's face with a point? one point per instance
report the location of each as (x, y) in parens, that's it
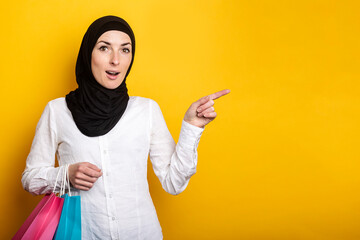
(111, 58)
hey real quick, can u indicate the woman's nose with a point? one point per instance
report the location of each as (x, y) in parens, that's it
(115, 59)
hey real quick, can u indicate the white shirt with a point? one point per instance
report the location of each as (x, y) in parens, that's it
(119, 205)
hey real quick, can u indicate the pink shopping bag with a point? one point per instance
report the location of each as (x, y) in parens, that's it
(43, 221)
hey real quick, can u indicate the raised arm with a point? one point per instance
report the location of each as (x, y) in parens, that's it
(175, 164)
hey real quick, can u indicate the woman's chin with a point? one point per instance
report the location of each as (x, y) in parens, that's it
(111, 84)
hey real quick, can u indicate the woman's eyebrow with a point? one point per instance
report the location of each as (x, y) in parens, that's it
(107, 43)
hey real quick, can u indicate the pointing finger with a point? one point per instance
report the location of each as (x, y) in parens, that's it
(219, 94)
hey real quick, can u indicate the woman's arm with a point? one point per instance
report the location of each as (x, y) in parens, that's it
(173, 164)
(40, 174)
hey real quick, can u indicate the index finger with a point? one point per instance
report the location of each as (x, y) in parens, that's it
(219, 94)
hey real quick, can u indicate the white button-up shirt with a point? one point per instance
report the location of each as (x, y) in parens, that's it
(119, 205)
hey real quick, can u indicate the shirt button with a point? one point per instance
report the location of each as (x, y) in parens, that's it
(113, 218)
(105, 152)
(110, 195)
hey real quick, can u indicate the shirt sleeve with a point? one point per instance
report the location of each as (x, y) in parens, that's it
(173, 164)
(40, 174)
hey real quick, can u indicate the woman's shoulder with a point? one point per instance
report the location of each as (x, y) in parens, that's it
(57, 104)
(137, 100)
(144, 104)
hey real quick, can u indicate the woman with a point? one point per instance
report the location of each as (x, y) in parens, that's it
(106, 137)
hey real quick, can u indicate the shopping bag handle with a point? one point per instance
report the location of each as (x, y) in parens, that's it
(57, 177)
(65, 179)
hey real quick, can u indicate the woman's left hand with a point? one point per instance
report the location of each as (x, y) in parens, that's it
(202, 111)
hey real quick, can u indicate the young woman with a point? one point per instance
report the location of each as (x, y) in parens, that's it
(106, 136)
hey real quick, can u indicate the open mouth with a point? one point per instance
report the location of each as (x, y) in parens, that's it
(112, 73)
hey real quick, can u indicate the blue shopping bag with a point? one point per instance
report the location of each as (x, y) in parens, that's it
(70, 221)
(69, 227)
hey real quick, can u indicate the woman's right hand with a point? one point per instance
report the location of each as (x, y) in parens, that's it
(83, 175)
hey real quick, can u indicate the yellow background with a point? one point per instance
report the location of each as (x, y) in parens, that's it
(281, 161)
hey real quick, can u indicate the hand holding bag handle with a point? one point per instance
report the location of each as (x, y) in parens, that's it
(69, 227)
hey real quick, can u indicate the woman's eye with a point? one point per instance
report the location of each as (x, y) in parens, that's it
(103, 48)
(126, 50)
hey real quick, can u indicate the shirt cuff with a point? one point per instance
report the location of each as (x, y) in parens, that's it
(190, 136)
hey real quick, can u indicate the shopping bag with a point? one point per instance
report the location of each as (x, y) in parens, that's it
(70, 221)
(69, 227)
(44, 219)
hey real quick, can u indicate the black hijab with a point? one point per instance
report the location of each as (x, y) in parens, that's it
(97, 109)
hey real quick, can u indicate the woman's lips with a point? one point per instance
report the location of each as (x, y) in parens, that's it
(112, 74)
